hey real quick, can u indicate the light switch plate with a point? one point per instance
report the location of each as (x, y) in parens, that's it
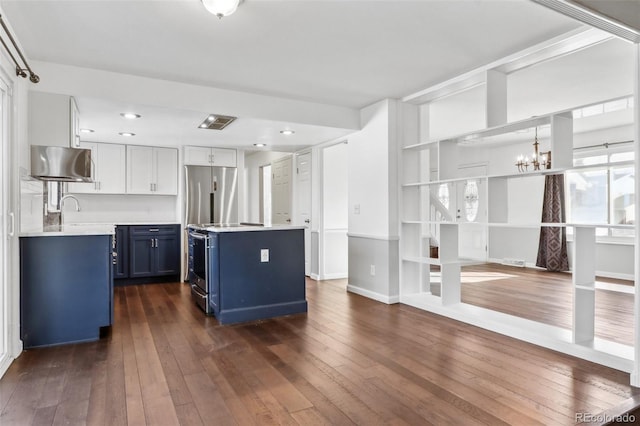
(264, 255)
(356, 209)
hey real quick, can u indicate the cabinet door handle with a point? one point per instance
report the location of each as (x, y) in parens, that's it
(156, 242)
(151, 187)
(152, 243)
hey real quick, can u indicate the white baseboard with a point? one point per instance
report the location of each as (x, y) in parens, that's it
(389, 300)
(314, 277)
(5, 362)
(335, 276)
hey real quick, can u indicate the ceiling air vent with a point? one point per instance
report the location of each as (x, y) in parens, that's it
(216, 122)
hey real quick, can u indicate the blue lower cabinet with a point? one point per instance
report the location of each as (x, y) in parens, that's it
(154, 251)
(66, 288)
(249, 288)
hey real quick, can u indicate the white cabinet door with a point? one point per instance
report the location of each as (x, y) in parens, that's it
(197, 156)
(111, 173)
(223, 157)
(87, 187)
(166, 171)
(140, 169)
(205, 156)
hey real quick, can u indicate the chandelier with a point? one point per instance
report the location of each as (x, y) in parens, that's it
(537, 158)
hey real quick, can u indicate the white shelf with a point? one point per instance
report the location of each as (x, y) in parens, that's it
(492, 131)
(522, 225)
(429, 261)
(499, 176)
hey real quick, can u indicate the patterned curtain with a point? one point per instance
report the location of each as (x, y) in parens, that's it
(552, 249)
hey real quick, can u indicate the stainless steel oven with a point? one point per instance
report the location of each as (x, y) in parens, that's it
(199, 268)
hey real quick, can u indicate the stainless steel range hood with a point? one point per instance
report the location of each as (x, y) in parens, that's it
(58, 163)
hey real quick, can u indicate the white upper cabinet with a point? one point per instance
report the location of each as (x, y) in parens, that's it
(152, 170)
(205, 156)
(109, 172)
(53, 120)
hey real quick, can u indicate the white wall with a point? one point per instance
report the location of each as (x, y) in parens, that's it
(335, 206)
(373, 199)
(369, 170)
(122, 209)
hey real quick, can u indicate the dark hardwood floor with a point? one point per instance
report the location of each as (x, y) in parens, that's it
(350, 360)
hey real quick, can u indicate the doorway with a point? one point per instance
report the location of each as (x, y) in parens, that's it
(265, 195)
(281, 192)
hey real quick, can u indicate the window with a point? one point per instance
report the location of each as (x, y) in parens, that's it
(603, 193)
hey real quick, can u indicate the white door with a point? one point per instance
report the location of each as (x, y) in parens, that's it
(471, 214)
(303, 200)
(281, 192)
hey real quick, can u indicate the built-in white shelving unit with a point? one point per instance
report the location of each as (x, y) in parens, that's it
(453, 206)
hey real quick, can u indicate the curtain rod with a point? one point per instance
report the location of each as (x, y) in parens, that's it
(603, 145)
(33, 77)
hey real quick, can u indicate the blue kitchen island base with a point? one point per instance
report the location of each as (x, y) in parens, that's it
(66, 289)
(255, 273)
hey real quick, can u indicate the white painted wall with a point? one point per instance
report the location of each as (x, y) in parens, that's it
(335, 206)
(373, 187)
(369, 170)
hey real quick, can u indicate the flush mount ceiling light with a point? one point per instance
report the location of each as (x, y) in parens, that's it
(87, 130)
(221, 8)
(216, 122)
(127, 134)
(260, 145)
(287, 132)
(130, 115)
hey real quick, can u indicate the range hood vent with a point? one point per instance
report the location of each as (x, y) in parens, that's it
(58, 163)
(216, 122)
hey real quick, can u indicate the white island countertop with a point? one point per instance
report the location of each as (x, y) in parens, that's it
(72, 229)
(244, 228)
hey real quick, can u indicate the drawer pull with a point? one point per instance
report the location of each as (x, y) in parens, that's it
(153, 229)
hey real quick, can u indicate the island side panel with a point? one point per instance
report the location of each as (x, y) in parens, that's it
(252, 289)
(66, 288)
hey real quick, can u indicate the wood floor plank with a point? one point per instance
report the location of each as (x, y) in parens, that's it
(350, 360)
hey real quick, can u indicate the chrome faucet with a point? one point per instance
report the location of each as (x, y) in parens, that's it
(73, 198)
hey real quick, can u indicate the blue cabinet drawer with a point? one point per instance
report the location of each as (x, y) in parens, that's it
(153, 229)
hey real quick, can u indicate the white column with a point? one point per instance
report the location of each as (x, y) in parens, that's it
(584, 283)
(496, 98)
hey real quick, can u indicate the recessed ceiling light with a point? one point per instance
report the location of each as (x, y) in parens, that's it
(260, 145)
(287, 132)
(126, 134)
(130, 115)
(87, 130)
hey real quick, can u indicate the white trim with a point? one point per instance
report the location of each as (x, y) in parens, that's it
(389, 300)
(314, 277)
(374, 237)
(335, 276)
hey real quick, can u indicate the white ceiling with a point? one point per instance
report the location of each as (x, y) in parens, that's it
(348, 53)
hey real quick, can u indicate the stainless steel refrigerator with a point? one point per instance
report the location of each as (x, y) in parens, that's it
(211, 195)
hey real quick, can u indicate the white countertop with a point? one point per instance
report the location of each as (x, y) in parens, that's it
(73, 229)
(245, 228)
